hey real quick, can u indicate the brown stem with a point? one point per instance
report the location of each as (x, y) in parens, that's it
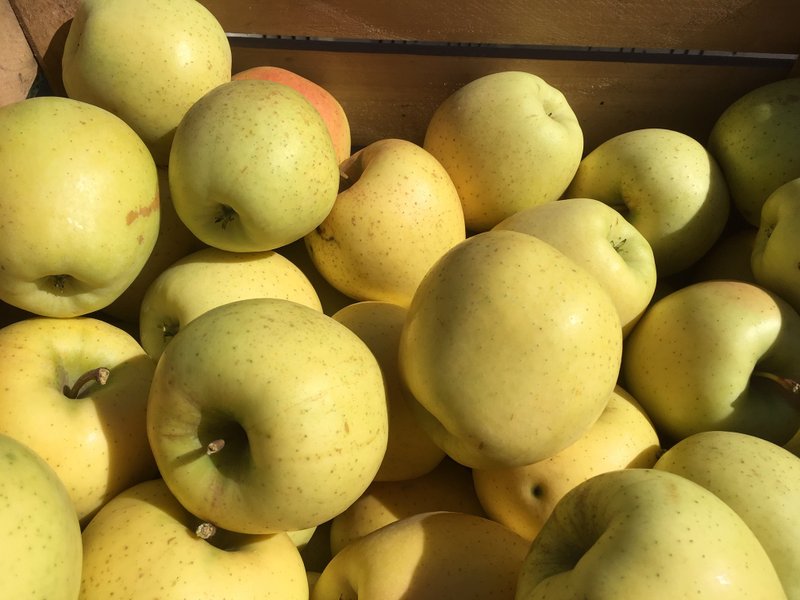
(98, 375)
(205, 531)
(790, 385)
(215, 446)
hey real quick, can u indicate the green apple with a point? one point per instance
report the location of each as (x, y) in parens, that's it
(252, 167)
(79, 202)
(646, 533)
(41, 551)
(603, 242)
(522, 498)
(89, 425)
(509, 140)
(758, 479)
(147, 61)
(510, 350)
(430, 556)
(447, 487)
(776, 249)
(398, 213)
(410, 451)
(666, 184)
(728, 258)
(755, 143)
(712, 356)
(191, 286)
(144, 544)
(267, 415)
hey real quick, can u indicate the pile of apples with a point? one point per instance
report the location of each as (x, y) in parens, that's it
(243, 360)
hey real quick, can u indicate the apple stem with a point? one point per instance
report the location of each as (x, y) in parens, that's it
(215, 446)
(99, 375)
(205, 531)
(790, 385)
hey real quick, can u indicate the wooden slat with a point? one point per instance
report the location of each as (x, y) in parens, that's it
(726, 25)
(18, 67)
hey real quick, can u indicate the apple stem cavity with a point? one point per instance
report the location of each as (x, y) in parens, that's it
(205, 531)
(99, 375)
(215, 446)
(790, 385)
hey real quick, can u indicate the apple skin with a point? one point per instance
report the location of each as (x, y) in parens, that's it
(691, 359)
(81, 190)
(646, 533)
(776, 250)
(509, 140)
(142, 544)
(599, 239)
(252, 167)
(326, 103)
(522, 498)
(146, 61)
(430, 556)
(42, 547)
(96, 443)
(510, 350)
(755, 143)
(298, 399)
(398, 214)
(666, 184)
(758, 479)
(191, 286)
(728, 258)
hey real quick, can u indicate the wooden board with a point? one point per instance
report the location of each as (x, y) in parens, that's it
(18, 66)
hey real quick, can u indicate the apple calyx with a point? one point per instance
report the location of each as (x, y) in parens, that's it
(99, 375)
(226, 216)
(790, 385)
(205, 531)
(215, 446)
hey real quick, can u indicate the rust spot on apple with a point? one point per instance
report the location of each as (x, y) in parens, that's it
(143, 211)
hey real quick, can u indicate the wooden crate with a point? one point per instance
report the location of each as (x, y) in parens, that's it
(622, 65)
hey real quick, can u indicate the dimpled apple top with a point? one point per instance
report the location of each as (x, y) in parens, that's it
(252, 167)
(510, 349)
(79, 206)
(267, 415)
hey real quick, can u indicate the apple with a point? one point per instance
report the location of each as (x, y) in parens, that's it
(510, 350)
(715, 355)
(410, 451)
(430, 556)
(646, 533)
(42, 548)
(326, 103)
(79, 198)
(603, 242)
(447, 487)
(758, 479)
(755, 143)
(776, 250)
(87, 423)
(397, 213)
(252, 167)
(522, 498)
(145, 61)
(267, 415)
(666, 184)
(509, 140)
(728, 258)
(192, 285)
(144, 544)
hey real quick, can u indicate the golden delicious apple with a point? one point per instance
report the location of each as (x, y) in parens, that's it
(510, 349)
(599, 239)
(755, 142)
(252, 167)
(398, 213)
(146, 61)
(144, 544)
(710, 356)
(79, 205)
(776, 249)
(509, 140)
(666, 184)
(447, 487)
(87, 423)
(758, 479)
(267, 415)
(646, 533)
(41, 550)
(410, 451)
(430, 556)
(522, 498)
(211, 277)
